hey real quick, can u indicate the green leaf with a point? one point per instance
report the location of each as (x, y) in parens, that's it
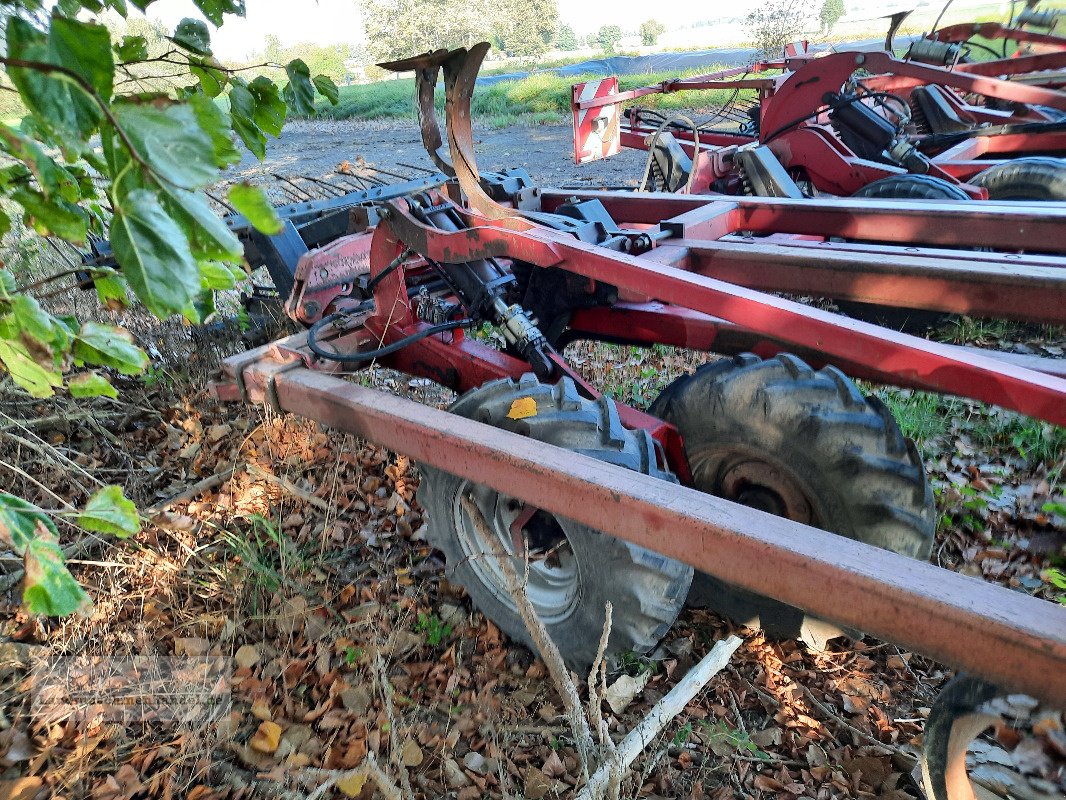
(25, 370)
(49, 175)
(300, 93)
(108, 511)
(242, 111)
(214, 9)
(216, 122)
(84, 47)
(52, 217)
(154, 254)
(132, 48)
(251, 202)
(107, 346)
(7, 285)
(58, 106)
(91, 384)
(208, 236)
(270, 108)
(202, 307)
(19, 520)
(215, 276)
(111, 289)
(212, 80)
(328, 89)
(193, 35)
(50, 588)
(171, 140)
(34, 321)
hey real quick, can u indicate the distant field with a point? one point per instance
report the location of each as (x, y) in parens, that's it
(537, 98)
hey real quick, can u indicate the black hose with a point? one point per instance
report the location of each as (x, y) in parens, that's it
(947, 139)
(387, 271)
(370, 355)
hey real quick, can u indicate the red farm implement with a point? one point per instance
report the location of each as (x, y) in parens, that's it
(765, 482)
(843, 124)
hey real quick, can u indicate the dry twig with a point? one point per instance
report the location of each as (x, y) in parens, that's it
(661, 714)
(553, 660)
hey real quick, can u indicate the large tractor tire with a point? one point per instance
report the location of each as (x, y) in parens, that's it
(902, 187)
(574, 569)
(1035, 178)
(912, 187)
(778, 436)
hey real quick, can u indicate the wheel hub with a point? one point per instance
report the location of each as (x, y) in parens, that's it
(554, 577)
(759, 484)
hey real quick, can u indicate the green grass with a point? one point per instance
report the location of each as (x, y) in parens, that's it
(929, 418)
(539, 98)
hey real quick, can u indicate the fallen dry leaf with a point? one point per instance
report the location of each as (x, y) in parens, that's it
(266, 738)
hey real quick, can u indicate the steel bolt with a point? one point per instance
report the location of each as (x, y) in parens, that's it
(311, 308)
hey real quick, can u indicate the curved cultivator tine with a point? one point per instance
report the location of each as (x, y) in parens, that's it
(426, 67)
(461, 67)
(954, 721)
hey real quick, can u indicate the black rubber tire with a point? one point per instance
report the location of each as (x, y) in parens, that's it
(646, 589)
(911, 187)
(1036, 178)
(861, 477)
(902, 187)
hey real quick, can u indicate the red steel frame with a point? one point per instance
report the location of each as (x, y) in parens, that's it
(1015, 640)
(814, 149)
(695, 273)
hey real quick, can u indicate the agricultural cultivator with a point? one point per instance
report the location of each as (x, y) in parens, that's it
(764, 485)
(845, 124)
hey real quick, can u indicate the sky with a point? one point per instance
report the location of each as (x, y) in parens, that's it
(340, 22)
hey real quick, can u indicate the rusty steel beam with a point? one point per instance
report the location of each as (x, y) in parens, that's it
(1005, 636)
(1000, 226)
(1033, 293)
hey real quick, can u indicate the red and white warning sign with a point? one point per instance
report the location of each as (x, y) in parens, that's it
(595, 129)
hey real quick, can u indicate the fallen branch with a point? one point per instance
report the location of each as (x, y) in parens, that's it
(665, 710)
(190, 492)
(289, 487)
(553, 659)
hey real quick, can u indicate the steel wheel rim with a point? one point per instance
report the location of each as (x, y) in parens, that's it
(553, 582)
(749, 478)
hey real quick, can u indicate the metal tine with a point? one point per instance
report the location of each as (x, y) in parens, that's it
(391, 174)
(295, 186)
(351, 181)
(332, 188)
(427, 170)
(57, 246)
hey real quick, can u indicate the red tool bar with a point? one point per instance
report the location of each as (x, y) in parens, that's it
(1004, 636)
(714, 80)
(963, 31)
(655, 323)
(934, 365)
(1031, 293)
(1002, 226)
(1022, 65)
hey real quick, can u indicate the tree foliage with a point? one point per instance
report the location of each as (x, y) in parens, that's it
(608, 38)
(111, 148)
(567, 39)
(775, 23)
(525, 28)
(831, 12)
(398, 28)
(650, 31)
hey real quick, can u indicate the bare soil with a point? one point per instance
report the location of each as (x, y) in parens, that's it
(546, 151)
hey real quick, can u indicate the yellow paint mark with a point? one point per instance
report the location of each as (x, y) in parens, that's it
(522, 408)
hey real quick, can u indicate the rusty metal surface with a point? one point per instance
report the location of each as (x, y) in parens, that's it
(1005, 636)
(931, 365)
